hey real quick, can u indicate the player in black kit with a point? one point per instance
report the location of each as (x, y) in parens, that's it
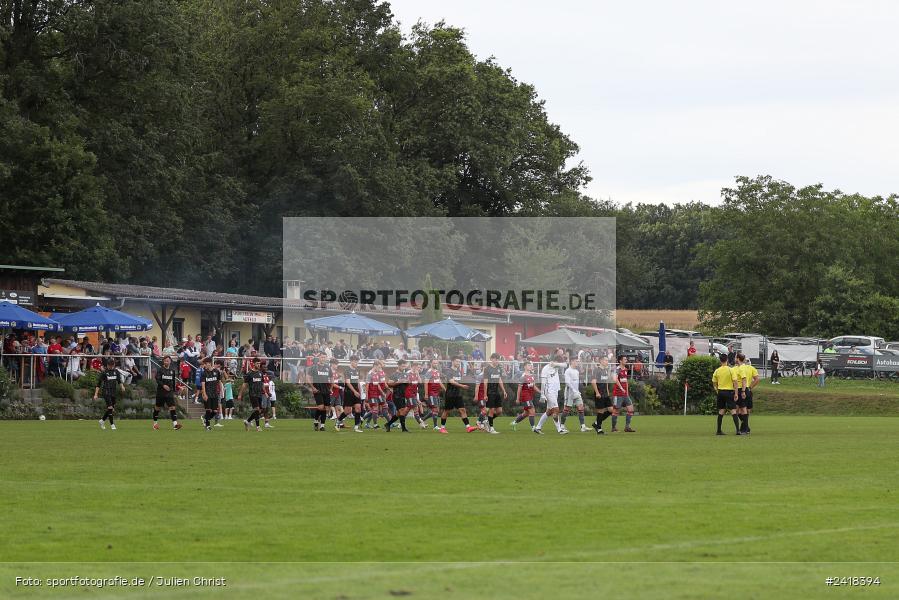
(109, 383)
(165, 393)
(212, 391)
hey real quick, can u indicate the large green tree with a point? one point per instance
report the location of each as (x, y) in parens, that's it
(780, 247)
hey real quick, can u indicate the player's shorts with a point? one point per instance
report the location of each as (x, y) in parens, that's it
(109, 400)
(552, 401)
(725, 400)
(337, 400)
(603, 402)
(433, 401)
(527, 404)
(453, 403)
(573, 398)
(494, 400)
(162, 401)
(273, 401)
(229, 403)
(746, 400)
(619, 401)
(265, 403)
(255, 402)
(349, 398)
(400, 403)
(323, 399)
(212, 403)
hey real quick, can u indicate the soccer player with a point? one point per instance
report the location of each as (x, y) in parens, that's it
(400, 382)
(480, 394)
(352, 395)
(724, 380)
(165, 393)
(602, 392)
(573, 395)
(109, 383)
(453, 400)
(749, 377)
(549, 393)
(621, 396)
(376, 391)
(268, 401)
(496, 390)
(210, 387)
(273, 397)
(525, 396)
(433, 387)
(254, 385)
(319, 380)
(338, 393)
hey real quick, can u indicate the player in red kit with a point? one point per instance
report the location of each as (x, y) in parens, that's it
(526, 396)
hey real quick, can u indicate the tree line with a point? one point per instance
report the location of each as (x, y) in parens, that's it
(161, 142)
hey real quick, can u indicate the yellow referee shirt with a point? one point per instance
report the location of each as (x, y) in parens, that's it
(749, 372)
(723, 378)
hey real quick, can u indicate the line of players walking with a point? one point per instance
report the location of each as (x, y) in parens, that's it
(431, 394)
(423, 390)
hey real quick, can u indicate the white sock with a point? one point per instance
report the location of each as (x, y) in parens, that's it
(542, 421)
(557, 424)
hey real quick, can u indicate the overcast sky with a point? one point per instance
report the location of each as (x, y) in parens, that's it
(670, 100)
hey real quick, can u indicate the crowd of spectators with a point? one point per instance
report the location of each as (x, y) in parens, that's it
(70, 356)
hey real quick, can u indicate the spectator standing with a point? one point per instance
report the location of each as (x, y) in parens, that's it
(73, 370)
(40, 367)
(775, 368)
(669, 363)
(692, 349)
(819, 372)
(55, 352)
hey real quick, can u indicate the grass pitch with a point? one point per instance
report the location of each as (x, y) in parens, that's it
(669, 512)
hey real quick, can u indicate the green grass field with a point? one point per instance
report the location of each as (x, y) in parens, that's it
(669, 512)
(802, 396)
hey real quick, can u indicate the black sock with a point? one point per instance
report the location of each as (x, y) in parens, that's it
(111, 419)
(174, 415)
(155, 414)
(490, 420)
(465, 420)
(720, 420)
(736, 422)
(393, 420)
(403, 423)
(341, 417)
(443, 421)
(322, 417)
(746, 421)
(358, 417)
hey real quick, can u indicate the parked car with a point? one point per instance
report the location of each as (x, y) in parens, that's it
(864, 344)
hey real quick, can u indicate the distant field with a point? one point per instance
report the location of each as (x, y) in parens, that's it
(801, 396)
(649, 319)
(667, 513)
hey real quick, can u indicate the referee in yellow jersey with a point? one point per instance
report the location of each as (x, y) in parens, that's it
(749, 378)
(725, 379)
